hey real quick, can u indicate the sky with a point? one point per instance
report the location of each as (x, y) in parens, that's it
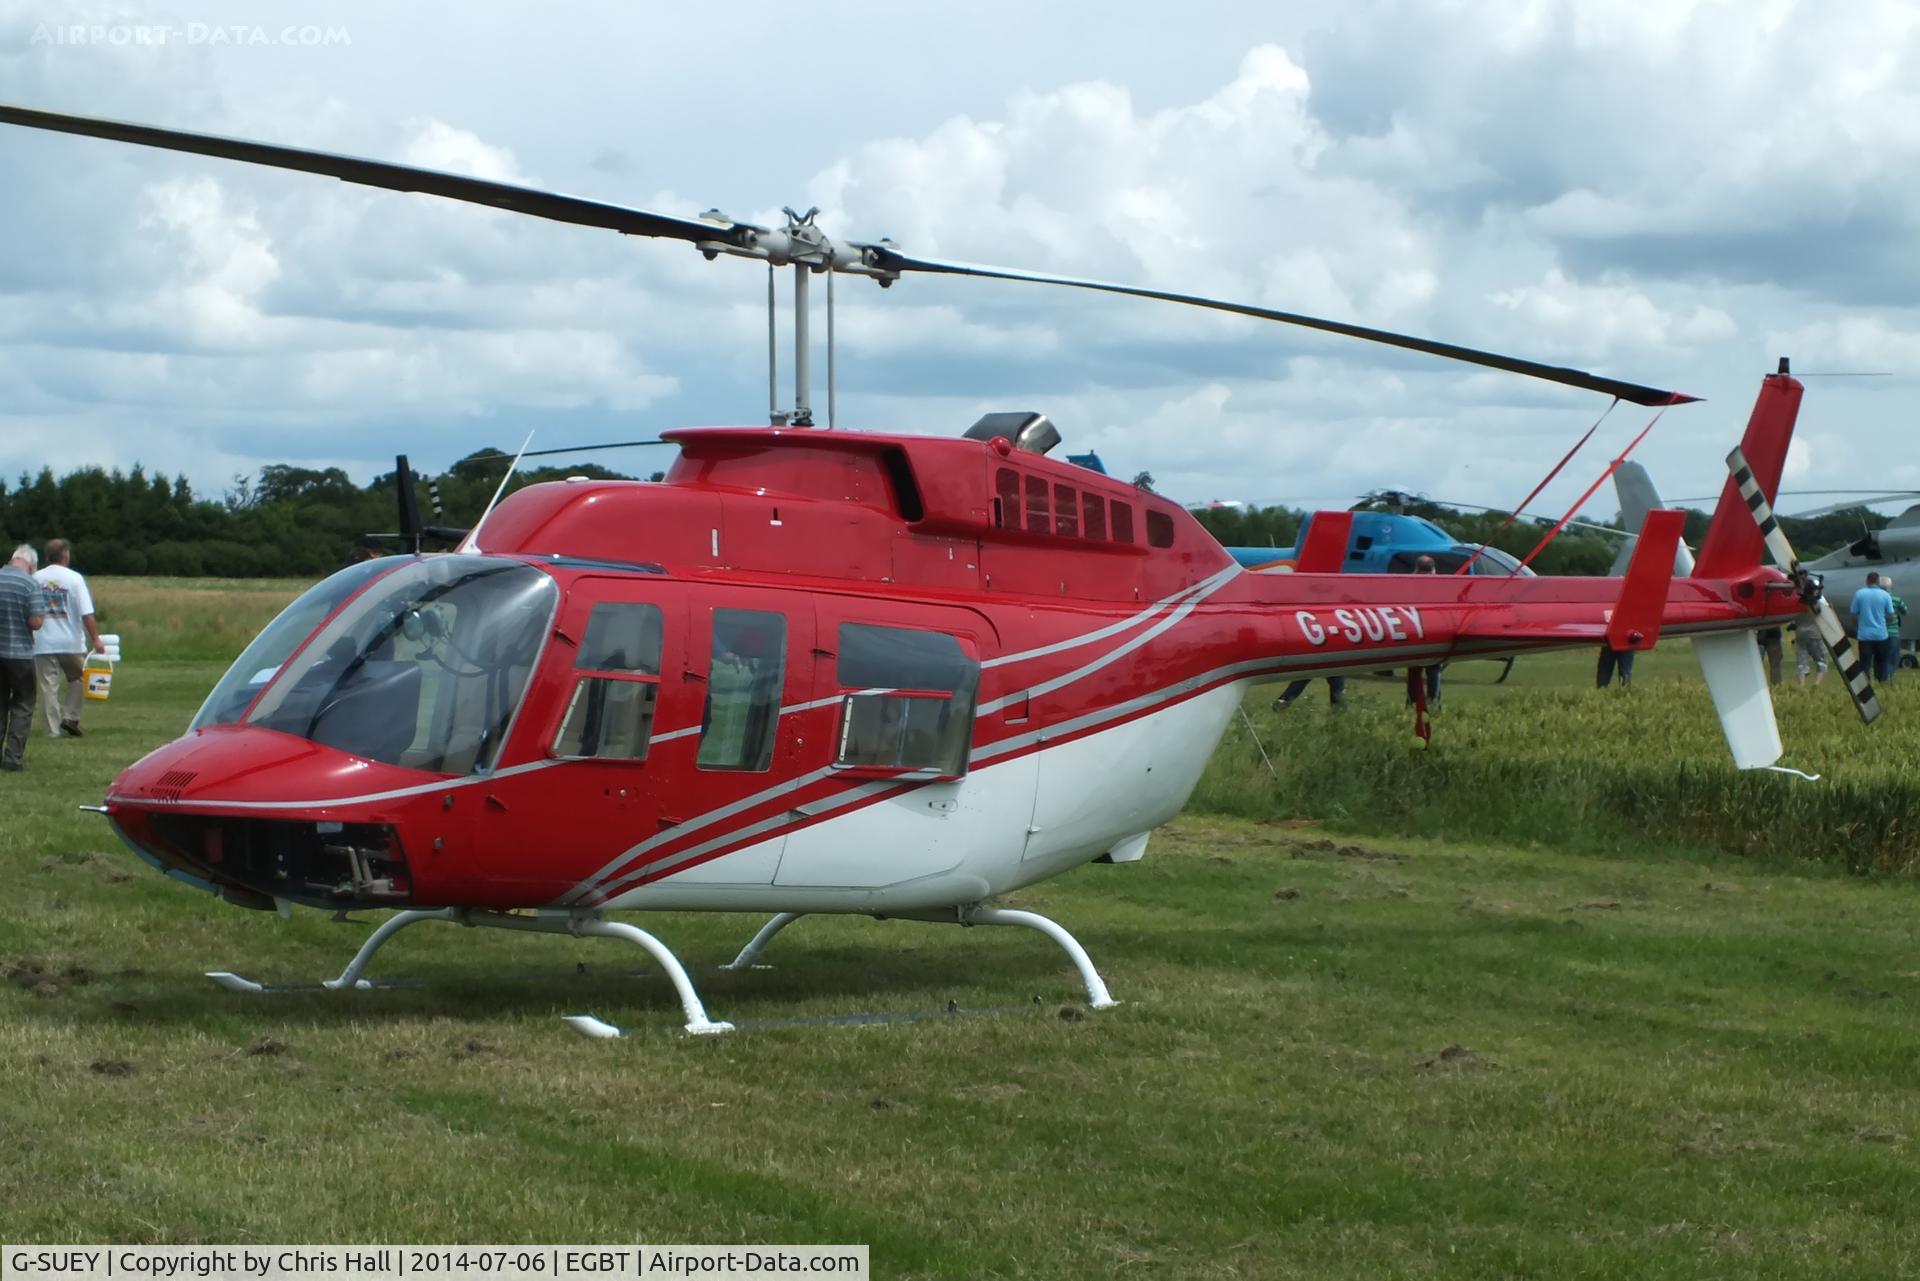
(1674, 194)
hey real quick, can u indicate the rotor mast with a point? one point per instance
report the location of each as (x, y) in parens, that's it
(802, 245)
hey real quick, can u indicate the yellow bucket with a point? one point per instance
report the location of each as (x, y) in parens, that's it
(99, 676)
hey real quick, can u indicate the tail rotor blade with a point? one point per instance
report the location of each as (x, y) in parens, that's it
(1846, 655)
(1777, 544)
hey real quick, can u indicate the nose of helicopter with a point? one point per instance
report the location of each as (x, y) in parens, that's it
(256, 815)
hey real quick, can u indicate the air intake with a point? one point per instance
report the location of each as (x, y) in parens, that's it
(1023, 430)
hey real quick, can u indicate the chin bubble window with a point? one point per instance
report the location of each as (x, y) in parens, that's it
(617, 683)
(908, 705)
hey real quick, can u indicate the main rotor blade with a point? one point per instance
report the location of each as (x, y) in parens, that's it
(379, 173)
(588, 449)
(1902, 496)
(578, 449)
(887, 259)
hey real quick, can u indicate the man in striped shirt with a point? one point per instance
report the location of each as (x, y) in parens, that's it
(22, 610)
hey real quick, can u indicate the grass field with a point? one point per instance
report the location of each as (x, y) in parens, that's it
(1338, 1055)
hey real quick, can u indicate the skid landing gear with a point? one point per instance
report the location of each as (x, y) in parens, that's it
(580, 925)
(965, 914)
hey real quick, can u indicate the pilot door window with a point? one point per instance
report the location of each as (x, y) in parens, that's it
(910, 700)
(743, 690)
(610, 715)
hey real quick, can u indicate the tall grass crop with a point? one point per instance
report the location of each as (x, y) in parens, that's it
(189, 618)
(1584, 768)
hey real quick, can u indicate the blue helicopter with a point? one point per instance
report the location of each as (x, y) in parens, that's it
(1378, 542)
(1387, 543)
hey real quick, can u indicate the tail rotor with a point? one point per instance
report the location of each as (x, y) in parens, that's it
(1845, 653)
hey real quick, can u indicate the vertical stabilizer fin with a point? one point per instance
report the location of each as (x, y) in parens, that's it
(1635, 490)
(1324, 550)
(1731, 663)
(1733, 542)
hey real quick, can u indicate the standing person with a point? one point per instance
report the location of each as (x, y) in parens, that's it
(1769, 640)
(22, 610)
(1872, 608)
(1810, 651)
(61, 645)
(1895, 625)
(1426, 565)
(1336, 693)
(1611, 659)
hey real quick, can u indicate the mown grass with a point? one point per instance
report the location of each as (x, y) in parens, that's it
(1337, 1057)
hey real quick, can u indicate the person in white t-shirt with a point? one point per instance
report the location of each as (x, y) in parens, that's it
(61, 645)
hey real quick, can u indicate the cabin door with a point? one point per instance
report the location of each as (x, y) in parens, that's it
(898, 685)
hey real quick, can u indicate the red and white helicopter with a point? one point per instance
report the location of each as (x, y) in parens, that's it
(823, 671)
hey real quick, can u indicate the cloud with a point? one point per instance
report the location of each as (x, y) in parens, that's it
(1672, 193)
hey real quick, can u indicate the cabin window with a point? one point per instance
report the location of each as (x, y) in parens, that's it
(1066, 511)
(743, 690)
(909, 701)
(1093, 517)
(1006, 503)
(1159, 529)
(1122, 522)
(611, 713)
(1038, 521)
(1444, 562)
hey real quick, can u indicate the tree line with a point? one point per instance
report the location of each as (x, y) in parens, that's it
(300, 522)
(292, 522)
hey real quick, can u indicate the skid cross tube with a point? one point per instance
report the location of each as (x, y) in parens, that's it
(965, 914)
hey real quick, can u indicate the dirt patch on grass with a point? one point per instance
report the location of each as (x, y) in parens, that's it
(1324, 848)
(42, 977)
(1453, 1058)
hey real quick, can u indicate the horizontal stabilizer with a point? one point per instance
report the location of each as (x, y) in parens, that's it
(1325, 548)
(1636, 619)
(1731, 663)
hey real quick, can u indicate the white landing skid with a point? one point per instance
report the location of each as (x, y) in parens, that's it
(580, 925)
(965, 914)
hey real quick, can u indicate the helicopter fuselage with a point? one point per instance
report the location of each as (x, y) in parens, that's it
(811, 671)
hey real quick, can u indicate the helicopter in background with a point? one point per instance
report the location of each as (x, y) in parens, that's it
(1893, 549)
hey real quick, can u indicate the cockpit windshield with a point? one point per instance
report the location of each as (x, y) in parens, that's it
(260, 661)
(422, 669)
